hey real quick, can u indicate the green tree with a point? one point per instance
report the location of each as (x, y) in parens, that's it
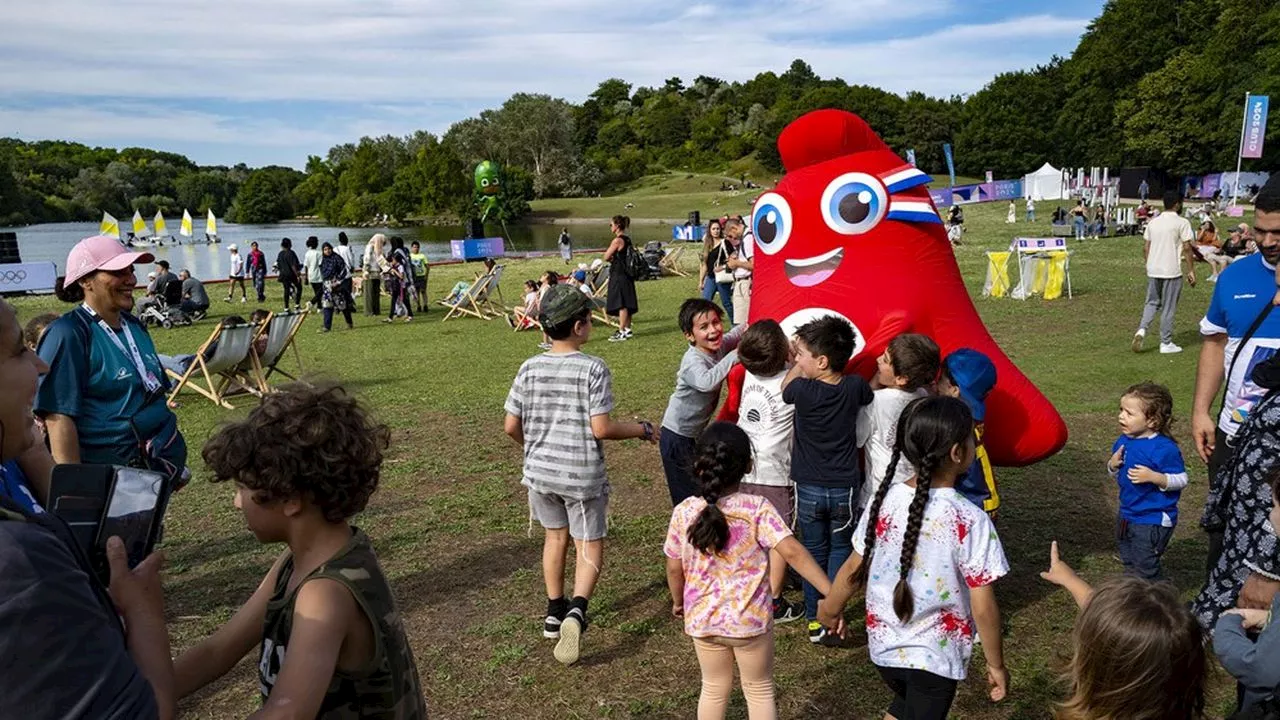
(266, 196)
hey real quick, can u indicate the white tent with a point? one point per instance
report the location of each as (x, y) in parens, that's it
(1044, 184)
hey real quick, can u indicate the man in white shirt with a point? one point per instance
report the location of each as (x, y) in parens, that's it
(742, 264)
(1168, 241)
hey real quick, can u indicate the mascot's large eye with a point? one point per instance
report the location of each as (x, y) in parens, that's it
(771, 223)
(484, 182)
(854, 203)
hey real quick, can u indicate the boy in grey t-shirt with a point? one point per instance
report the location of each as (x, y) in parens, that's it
(558, 410)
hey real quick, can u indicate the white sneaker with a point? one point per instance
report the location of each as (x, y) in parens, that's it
(1169, 349)
(1138, 337)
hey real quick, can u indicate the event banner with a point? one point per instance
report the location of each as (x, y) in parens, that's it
(951, 162)
(986, 192)
(1255, 126)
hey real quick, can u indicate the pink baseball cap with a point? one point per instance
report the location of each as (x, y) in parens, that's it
(100, 253)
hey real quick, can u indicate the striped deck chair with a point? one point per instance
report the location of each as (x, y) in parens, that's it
(477, 301)
(281, 329)
(600, 297)
(226, 348)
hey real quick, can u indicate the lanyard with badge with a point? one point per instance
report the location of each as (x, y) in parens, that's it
(149, 380)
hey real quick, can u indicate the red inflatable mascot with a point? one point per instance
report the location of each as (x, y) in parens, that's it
(850, 230)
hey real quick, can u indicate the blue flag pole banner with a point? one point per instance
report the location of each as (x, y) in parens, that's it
(911, 157)
(951, 162)
(1255, 132)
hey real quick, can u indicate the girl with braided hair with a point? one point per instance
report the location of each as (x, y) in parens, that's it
(928, 559)
(717, 552)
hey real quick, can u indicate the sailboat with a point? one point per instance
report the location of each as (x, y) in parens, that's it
(141, 233)
(162, 230)
(109, 226)
(185, 229)
(211, 228)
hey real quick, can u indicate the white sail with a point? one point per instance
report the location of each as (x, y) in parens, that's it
(211, 224)
(109, 227)
(185, 229)
(161, 228)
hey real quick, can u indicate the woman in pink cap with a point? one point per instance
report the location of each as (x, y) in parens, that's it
(103, 399)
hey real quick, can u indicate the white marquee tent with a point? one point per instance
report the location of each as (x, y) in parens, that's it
(1044, 184)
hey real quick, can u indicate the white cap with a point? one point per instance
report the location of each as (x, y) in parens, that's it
(232, 246)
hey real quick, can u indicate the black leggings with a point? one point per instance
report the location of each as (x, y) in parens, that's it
(918, 694)
(292, 291)
(317, 290)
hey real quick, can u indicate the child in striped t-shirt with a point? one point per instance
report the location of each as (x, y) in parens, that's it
(558, 410)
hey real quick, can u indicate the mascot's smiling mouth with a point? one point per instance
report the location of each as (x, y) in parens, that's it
(807, 272)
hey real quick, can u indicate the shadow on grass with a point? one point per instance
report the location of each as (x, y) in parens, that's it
(469, 572)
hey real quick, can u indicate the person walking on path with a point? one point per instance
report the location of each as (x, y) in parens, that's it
(337, 286)
(290, 274)
(566, 246)
(1167, 243)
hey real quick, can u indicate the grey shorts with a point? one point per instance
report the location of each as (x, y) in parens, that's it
(586, 519)
(782, 498)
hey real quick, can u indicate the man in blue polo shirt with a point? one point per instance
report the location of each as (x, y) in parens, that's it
(1241, 329)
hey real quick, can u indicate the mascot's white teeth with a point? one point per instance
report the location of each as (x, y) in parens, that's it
(807, 272)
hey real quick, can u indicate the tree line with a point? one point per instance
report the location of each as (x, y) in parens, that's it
(1152, 83)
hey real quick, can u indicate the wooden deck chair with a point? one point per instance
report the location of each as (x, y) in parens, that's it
(476, 300)
(670, 263)
(221, 377)
(280, 329)
(600, 297)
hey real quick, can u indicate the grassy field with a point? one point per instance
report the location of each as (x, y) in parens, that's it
(451, 523)
(670, 196)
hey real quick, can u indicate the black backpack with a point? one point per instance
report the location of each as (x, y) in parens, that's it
(633, 263)
(1268, 708)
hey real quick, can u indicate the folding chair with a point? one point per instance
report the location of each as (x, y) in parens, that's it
(234, 344)
(599, 299)
(670, 263)
(280, 329)
(476, 301)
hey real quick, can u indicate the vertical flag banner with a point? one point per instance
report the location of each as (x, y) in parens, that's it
(911, 156)
(1255, 131)
(991, 177)
(951, 162)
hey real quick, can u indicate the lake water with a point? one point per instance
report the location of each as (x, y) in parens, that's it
(52, 242)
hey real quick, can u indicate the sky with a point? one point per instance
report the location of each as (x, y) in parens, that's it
(273, 81)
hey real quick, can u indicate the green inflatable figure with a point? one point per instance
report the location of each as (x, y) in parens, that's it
(488, 186)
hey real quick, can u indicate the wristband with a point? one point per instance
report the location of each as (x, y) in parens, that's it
(648, 429)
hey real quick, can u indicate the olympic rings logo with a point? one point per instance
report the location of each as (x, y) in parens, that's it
(13, 277)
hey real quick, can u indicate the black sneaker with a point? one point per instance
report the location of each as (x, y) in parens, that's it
(619, 337)
(785, 612)
(551, 627)
(571, 630)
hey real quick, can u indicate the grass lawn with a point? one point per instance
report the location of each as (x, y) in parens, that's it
(669, 196)
(451, 523)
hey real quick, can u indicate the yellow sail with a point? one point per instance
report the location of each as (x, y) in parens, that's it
(109, 227)
(161, 228)
(185, 229)
(140, 225)
(211, 224)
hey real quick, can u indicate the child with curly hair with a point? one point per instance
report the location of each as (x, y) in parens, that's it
(928, 559)
(718, 546)
(331, 642)
(1138, 651)
(1147, 465)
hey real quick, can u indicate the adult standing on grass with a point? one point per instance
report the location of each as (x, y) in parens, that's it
(65, 650)
(290, 274)
(421, 270)
(236, 276)
(1241, 330)
(622, 302)
(408, 283)
(344, 251)
(373, 263)
(311, 263)
(1078, 218)
(566, 246)
(258, 271)
(337, 287)
(1167, 243)
(103, 399)
(742, 263)
(714, 275)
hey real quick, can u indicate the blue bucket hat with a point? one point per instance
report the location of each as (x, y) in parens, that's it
(975, 375)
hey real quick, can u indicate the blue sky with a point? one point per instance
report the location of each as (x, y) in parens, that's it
(272, 81)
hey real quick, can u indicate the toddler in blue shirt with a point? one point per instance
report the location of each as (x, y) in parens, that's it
(1148, 467)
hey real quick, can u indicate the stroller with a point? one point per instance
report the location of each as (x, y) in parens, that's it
(167, 311)
(653, 254)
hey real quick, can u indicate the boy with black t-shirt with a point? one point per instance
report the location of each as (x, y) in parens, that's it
(824, 455)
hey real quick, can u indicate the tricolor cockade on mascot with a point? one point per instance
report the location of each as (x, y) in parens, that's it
(851, 230)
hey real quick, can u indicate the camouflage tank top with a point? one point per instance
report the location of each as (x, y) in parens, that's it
(391, 690)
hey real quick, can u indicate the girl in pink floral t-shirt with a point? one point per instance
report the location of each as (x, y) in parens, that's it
(717, 552)
(928, 559)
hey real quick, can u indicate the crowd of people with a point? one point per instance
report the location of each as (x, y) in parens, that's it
(886, 483)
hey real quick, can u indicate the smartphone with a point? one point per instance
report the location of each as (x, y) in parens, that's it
(78, 494)
(135, 512)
